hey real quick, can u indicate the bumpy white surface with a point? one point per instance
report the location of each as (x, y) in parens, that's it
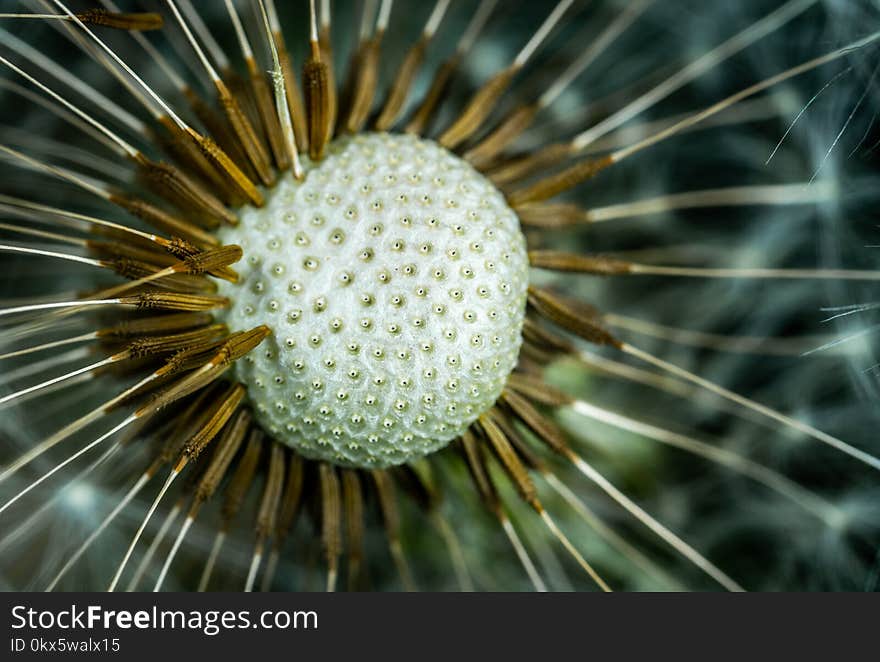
(394, 281)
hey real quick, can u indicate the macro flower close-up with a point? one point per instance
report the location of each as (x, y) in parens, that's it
(455, 295)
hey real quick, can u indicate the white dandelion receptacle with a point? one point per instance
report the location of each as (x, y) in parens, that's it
(394, 280)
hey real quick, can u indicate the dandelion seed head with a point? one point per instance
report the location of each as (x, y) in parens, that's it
(391, 335)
